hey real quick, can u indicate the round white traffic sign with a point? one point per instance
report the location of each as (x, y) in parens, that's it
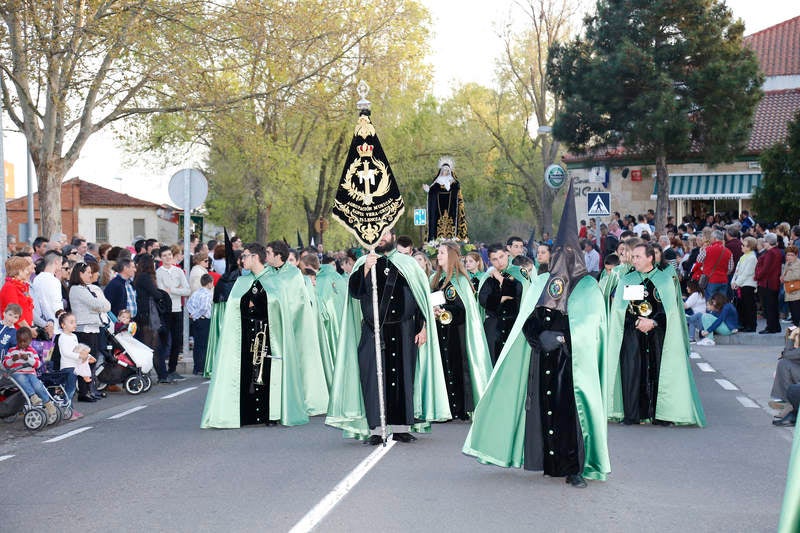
(188, 182)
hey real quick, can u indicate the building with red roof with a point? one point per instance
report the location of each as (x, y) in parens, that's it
(101, 215)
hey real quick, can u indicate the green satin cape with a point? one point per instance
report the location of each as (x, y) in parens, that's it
(480, 362)
(790, 512)
(497, 435)
(346, 407)
(299, 370)
(330, 292)
(678, 400)
(217, 312)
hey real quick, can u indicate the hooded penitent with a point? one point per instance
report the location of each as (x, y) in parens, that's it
(543, 408)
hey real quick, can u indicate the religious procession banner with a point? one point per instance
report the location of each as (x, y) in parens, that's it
(368, 201)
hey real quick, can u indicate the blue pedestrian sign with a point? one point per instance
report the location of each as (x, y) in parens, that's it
(599, 204)
(420, 217)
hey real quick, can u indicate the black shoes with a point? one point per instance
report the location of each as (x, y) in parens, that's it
(577, 481)
(786, 421)
(374, 440)
(404, 437)
(86, 398)
(763, 331)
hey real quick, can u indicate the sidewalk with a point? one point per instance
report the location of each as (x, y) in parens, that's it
(754, 339)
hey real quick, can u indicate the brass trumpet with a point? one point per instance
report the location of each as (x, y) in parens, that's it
(260, 349)
(445, 317)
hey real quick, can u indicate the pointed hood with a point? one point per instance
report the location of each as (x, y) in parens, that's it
(299, 241)
(231, 263)
(567, 263)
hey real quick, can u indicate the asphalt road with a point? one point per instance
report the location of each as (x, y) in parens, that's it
(155, 469)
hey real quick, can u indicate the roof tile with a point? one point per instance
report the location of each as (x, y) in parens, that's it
(778, 48)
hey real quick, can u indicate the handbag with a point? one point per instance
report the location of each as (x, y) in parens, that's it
(792, 286)
(703, 281)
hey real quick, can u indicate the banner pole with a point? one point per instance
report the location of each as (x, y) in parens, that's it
(378, 350)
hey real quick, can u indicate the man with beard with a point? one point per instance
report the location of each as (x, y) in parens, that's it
(499, 294)
(413, 379)
(543, 408)
(649, 349)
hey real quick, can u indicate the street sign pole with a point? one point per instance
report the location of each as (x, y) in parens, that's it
(187, 219)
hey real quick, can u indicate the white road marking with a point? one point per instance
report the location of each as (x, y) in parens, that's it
(129, 411)
(747, 402)
(315, 515)
(206, 382)
(695, 355)
(184, 391)
(705, 367)
(4, 457)
(727, 385)
(69, 434)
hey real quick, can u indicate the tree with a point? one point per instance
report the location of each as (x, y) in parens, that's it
(523, 102)
(777, 198)
(664, 78)
(69, 69)
(278, 149)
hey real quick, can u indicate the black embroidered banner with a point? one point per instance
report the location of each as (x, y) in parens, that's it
(368, 201)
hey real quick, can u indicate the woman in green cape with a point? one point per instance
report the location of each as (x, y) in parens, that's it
(465, 354)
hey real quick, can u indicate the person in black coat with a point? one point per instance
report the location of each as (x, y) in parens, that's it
(153, 304)
(115, 292)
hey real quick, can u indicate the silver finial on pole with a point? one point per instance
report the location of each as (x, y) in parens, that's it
(363, 90)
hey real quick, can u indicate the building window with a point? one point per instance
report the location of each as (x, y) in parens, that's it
(101, 230)
(138, 228)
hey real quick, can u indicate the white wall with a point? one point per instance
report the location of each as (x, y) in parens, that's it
(120, 223)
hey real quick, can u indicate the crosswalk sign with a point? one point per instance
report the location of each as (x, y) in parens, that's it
(420, 217)
(599, 204)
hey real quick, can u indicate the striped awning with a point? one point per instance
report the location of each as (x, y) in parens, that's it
(711, 186)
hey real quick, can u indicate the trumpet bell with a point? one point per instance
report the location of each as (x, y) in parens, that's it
(446, 318)
(645, 309)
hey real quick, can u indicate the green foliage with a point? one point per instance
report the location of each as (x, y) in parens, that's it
(659, 76)
(663, 77)
(778, 197)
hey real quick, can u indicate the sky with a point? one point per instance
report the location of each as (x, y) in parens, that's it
(464, 47)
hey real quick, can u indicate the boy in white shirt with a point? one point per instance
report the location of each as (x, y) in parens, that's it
(172, 280)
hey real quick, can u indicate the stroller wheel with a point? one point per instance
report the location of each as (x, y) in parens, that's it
(54, 417)
(134, 385)
(147, 382)
(66, 412)
(100, 385)
(35, 418)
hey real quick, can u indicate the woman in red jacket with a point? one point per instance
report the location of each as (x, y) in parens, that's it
(16, 289)
(768, 277)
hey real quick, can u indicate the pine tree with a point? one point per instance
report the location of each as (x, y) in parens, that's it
(664, 78)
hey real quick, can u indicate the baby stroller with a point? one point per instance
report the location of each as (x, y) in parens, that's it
(128, 362)
(55, 383)
(14, 401)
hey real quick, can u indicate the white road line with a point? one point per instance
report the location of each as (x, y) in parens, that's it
(315, 515)
(747, 402)
(695, 355)
(206, 382)
(727, 385)
(705, 367)
(69, 434)
(184, 391)
(124, 413)
(4, 457)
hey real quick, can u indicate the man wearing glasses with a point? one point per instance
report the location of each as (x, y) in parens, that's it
(263, 370)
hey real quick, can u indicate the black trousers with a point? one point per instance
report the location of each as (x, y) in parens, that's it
(175, 327)
(794, 307)
(90, 340)
(769, 306)
(747, 308)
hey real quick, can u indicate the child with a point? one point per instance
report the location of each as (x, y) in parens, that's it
(721, 318)
(8, 334)
(20, 355)
(76, 356)
(124, 323)
(199, 308)
(696, 302)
